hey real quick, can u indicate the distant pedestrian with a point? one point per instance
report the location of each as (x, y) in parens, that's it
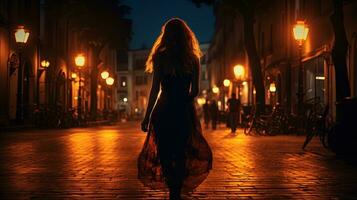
(206, 113)
(214, 114)
(233, 112)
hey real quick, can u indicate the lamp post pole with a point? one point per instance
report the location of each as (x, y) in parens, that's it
(80, 62)
(21, 37)
(19, 97)
(79, 96)
(300, 31)
(300, 93)
(43, 66)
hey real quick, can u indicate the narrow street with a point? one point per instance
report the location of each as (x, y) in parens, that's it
(100, 163)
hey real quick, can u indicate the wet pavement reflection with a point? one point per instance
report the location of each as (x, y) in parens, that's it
(101, 163)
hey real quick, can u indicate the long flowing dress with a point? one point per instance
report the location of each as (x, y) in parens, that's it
(174, 138)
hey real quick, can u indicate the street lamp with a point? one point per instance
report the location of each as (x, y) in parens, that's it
(104, 74)
(272, 90)
(43, 66)
(215, 90)
(109, 81)
(226, 84)
(74, 76)
(272, 87)
(21, 37)
(300, 31)
(239, 73)
(80, 61)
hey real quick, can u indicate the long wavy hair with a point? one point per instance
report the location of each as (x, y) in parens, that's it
(176, 48)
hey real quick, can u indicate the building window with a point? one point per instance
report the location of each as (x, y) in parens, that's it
(122, 59)
(139, 62)
(141, 80)
(123, 81)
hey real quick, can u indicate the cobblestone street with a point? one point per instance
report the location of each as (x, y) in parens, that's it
(100, 163)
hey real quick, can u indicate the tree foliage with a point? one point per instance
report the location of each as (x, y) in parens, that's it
(99, 22)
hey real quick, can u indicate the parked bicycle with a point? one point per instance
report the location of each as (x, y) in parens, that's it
(319, 124)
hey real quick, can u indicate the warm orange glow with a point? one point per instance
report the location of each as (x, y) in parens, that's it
(300, 31)
(80, 60)
(226, 82)
(21, 35)
(109, 81)
(45, 64)
(272, 87)
(104, 74)
(215, 90)
(201, 101)
(74, 75)
(194, 44)
(239, 71)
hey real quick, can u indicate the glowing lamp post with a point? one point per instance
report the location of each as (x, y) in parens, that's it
(239, 73)
(300, 31)
(104, 75)
(80, 61)
(226, 84)
(272, 87)
(272, 90)
(109, 81)
(215, 90)
(43, 66)
(74, 76)
(21, 37)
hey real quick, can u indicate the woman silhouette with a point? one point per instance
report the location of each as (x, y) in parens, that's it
(175, 154)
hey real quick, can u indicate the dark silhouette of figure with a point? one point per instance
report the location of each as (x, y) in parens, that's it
(214, 112)
(233, 112)
(206, 113)
(175, 154)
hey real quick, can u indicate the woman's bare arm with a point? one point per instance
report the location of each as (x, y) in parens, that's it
(195, 86)
(155, 88)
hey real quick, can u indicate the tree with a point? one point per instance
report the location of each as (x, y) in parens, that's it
(99, 23)
(339, 51)
(247, 10)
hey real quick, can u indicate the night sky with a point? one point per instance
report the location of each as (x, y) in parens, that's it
(149, 15)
